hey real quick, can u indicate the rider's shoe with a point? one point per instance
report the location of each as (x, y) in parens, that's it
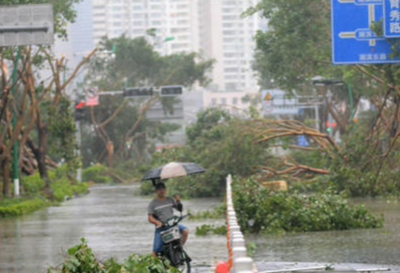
(188, 258)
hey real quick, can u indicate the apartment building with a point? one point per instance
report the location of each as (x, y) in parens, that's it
(215, 28)
(175, 22)
(227, 37)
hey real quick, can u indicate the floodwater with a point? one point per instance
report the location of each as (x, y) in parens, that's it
(113, 220)
(372, 246)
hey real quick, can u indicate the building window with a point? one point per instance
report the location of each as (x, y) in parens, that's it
(231, 62)
(229, 40)
(230, 86)
(137, 32)
(213, 101)
(229, 32)
(223, 100)
(228, 25)
(231, 47)
(229, 3)
(229, 55)
(235, 101)
(228, 10)
(117, 8)
(230, 70)
(156, 23)
(136, 7)
(138, 23)
(178, 30)
(229, 17)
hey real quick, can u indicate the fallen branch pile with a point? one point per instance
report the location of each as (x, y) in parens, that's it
(268, 130)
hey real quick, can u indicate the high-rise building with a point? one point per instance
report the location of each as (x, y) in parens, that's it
(227, 37)
(214, 28)
(81, 31)
(174, 21)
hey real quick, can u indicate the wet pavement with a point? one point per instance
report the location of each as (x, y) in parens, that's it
(113, 220)
(275, 267)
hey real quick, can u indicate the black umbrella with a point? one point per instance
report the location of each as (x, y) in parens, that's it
(173, 169)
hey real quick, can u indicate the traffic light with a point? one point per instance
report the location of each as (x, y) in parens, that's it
(79, 110)
(171, 90)
(139, 92)
(330, 125)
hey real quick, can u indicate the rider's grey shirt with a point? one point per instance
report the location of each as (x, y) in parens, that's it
(162, 210)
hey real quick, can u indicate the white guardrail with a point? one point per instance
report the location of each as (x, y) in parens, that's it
(239, 262)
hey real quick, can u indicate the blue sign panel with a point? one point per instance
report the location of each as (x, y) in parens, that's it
(302, 141)
(391, 18)
(353, 41)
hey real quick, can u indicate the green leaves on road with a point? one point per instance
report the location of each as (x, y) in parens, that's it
(81, 259)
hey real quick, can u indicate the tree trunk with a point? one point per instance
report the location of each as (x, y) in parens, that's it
(110, 153)
(1, 184)
(6, 177)
(41, 156)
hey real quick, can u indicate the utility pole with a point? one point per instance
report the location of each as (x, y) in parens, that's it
(78, 151)
(14, 121)
(79, 115)
(316, 116)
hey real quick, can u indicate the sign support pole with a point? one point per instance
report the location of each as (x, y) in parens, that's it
(14, 122)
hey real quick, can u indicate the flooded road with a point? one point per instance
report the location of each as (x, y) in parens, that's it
(114, 222)
(113, 219)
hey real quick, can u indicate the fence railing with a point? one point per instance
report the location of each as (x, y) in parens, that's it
(239, 261)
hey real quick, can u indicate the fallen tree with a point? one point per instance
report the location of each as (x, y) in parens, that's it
(279, 133)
